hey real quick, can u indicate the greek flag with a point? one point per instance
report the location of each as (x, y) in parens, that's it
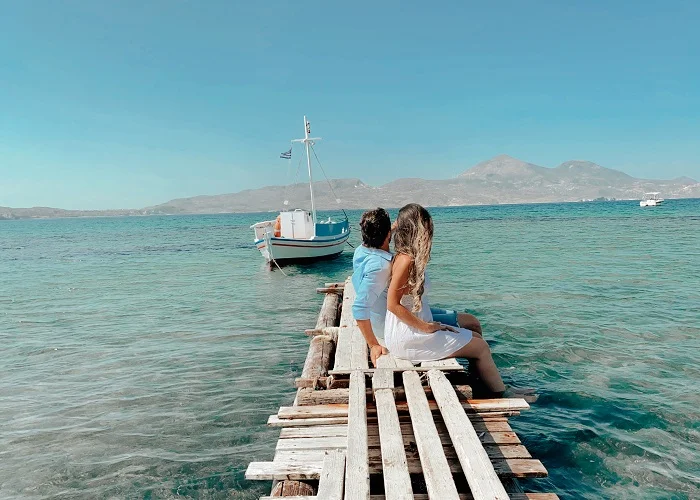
(287, 155)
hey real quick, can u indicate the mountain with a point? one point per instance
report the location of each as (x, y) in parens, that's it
(502, 179)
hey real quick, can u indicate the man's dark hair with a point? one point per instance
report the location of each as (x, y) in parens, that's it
(375, 225)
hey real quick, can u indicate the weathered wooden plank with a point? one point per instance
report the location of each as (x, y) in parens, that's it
(331, 331)
(309, 465)
(318, 357)
(436, 470)
(340, 442)
(309, 396)
(328, 315)
(310, 383)
(386, 361)
(275, 421)
(481, 406)
(359, 356)
(476, 465)
(441, 363)
(383, 379)
(343, 352)
(332, 480)
(397, 481)
(405, 366)
(357, 464)
(499, 429)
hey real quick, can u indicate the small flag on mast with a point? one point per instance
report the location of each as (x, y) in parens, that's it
(287, 155)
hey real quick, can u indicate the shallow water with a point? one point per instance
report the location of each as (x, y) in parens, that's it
(142, 356)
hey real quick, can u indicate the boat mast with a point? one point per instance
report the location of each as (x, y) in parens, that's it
(309, 141)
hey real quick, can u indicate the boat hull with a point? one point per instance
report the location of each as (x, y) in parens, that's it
(289, 250)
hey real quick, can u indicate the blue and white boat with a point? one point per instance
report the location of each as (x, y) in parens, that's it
(298, 235)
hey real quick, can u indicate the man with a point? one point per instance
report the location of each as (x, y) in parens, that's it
(371, 274)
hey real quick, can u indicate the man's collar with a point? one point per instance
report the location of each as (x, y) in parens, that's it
(382, 253)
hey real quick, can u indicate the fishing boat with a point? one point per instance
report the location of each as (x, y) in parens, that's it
(298, 235)
(651, 200)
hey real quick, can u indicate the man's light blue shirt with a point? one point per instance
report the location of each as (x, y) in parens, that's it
(370, 278)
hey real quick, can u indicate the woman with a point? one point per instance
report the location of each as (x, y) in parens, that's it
(410, 331)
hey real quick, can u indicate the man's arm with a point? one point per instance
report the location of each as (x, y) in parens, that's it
(372, 285)
(375, 348)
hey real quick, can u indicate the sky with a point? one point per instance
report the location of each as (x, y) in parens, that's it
(128, 104)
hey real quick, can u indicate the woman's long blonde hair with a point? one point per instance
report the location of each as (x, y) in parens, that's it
(413, 236)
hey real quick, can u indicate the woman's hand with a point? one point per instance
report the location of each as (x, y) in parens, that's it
(435, 326)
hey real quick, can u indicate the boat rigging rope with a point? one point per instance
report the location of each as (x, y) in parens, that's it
(278, 267)
(328, 181)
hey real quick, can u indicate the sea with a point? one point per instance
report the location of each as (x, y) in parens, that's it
(141, 356)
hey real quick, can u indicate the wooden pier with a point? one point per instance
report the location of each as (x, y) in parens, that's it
(400, 431)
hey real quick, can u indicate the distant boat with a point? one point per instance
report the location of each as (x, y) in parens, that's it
(298, 235)
(651, 200)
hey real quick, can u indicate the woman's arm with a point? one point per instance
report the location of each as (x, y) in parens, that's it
(397, 288)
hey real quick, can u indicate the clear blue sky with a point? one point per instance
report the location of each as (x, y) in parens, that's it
(108, 104)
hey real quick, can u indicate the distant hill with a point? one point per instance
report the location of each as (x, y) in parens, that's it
(502, 179)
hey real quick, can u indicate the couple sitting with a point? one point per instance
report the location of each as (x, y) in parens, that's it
(391, 297)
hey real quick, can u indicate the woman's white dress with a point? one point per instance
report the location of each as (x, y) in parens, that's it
(405, 342)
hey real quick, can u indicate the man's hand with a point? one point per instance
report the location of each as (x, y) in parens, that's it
(375, 353)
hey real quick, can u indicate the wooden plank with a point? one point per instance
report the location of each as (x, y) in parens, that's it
(328, 315)
(319, 435)
(498, 428)
(275, 421)
(397, 481)
(359, 356)
(386, 361)
(309, 397)
(343, 351)
(476, 465)
(494, 451)
(332, 480)
(476, 418)
(441, 363)
(357, 464)
(383, 379)
(331, 331)
(436, 470)
(318, 357)
(480, 406)
(301, 445)
(308, 466)
(405, 366)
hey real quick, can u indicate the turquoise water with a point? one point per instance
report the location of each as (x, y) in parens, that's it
(142, 356)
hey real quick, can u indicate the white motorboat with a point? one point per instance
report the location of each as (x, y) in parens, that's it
(298, 235)
(651, 200)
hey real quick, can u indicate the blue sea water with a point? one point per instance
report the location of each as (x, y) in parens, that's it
(140, 357)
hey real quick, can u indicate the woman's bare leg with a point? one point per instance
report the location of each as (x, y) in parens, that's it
(479, 352)
(469, 321)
